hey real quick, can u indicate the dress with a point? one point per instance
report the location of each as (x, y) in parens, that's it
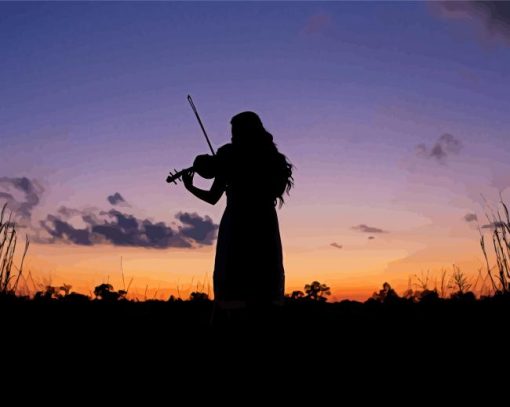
(249, 262)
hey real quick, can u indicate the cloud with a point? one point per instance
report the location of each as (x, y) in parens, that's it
(335, 244)
(22, 195)
(87, 227)
(60, 230)
(494, 15)
(317, 23)
(470, 217)
(371, 237)
(6, 196)
(68, 212)
(197, 228)
(368, 229)
(116, 199)
(444, 147)
(121, 229)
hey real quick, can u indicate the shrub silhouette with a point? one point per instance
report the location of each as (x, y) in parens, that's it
(297, 295)
(460, 283)
(76, 298)
(49, 293)
(428, 296)
(105, 292)
(387, 294)
(317, 292)
(198, 296)
(468, 296)
(65, 290)
(425, 295)
(60, 293)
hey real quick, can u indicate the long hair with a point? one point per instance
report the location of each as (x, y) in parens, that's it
(248, 133)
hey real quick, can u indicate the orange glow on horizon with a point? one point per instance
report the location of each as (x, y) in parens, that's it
(157, 274)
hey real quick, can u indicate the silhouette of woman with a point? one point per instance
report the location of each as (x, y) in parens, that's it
(248, 266)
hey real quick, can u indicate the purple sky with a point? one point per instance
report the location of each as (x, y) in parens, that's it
(358, 95)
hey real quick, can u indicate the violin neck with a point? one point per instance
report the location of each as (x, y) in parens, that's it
(173, 177)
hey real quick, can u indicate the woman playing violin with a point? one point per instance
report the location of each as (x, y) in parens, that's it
(248, 266)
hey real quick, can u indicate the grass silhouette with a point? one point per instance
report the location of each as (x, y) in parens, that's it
(8, 240)
(446, 306)
(499, 223)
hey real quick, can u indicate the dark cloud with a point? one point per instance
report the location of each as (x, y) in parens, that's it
(121, 229)
(371, 237)
(317, 23)
(116, 199)
(60, 230)
(22, 195)
(495, 15)
(335, 244)
(470, 217)
(445, 146)
(368, 229)
(200, 229)
(161, 236)
(96, 227)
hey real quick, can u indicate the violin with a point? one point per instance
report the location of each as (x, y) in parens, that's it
(204, 164)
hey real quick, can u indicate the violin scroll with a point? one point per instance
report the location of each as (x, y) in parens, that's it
(176, 175)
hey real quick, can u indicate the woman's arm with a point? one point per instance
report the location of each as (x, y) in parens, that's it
(212, 196)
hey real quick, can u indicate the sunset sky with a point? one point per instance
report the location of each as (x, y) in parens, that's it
(395, 115)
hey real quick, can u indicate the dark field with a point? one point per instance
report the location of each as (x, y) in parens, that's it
(149, 321)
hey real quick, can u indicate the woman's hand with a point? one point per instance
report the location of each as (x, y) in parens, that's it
(187, 179)
(212, 196)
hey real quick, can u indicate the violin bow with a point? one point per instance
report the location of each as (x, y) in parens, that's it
(177, 174)
(190, 100)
